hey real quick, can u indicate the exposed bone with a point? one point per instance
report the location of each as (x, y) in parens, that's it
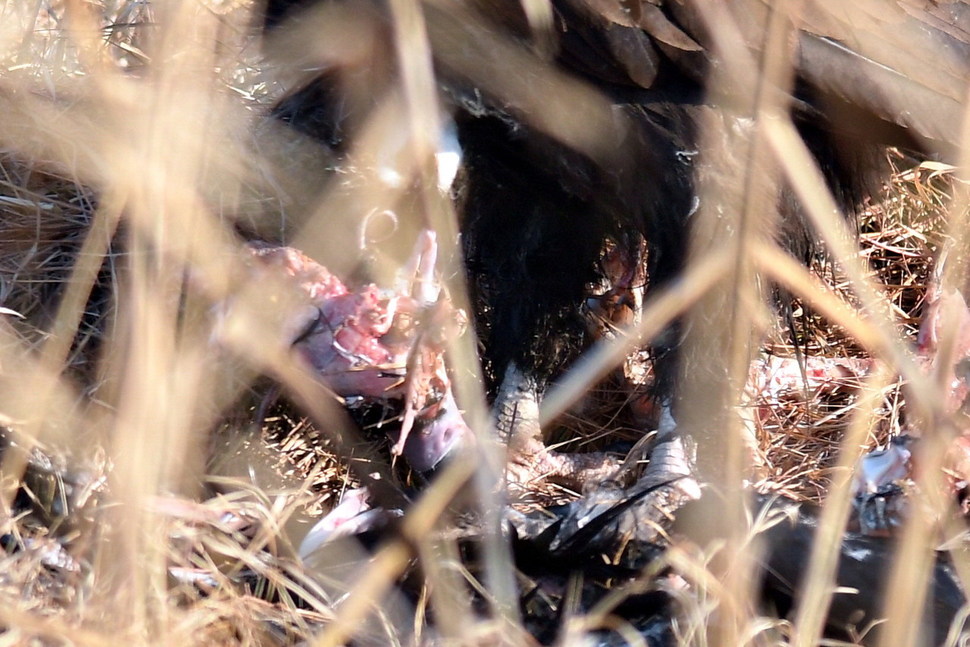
(416, 279)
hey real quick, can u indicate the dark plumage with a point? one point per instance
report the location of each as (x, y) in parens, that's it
(537, 216)
(554, 172)
(607, 123)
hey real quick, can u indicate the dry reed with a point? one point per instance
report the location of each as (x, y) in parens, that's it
(134, 149)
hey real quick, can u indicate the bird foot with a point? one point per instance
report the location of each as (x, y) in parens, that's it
(531, 462)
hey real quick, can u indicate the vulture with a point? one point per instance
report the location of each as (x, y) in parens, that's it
(603, 143)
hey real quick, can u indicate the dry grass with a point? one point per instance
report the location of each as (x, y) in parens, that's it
(899, 237)
(133, 150)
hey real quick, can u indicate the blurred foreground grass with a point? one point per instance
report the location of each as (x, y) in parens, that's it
(135, 155)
